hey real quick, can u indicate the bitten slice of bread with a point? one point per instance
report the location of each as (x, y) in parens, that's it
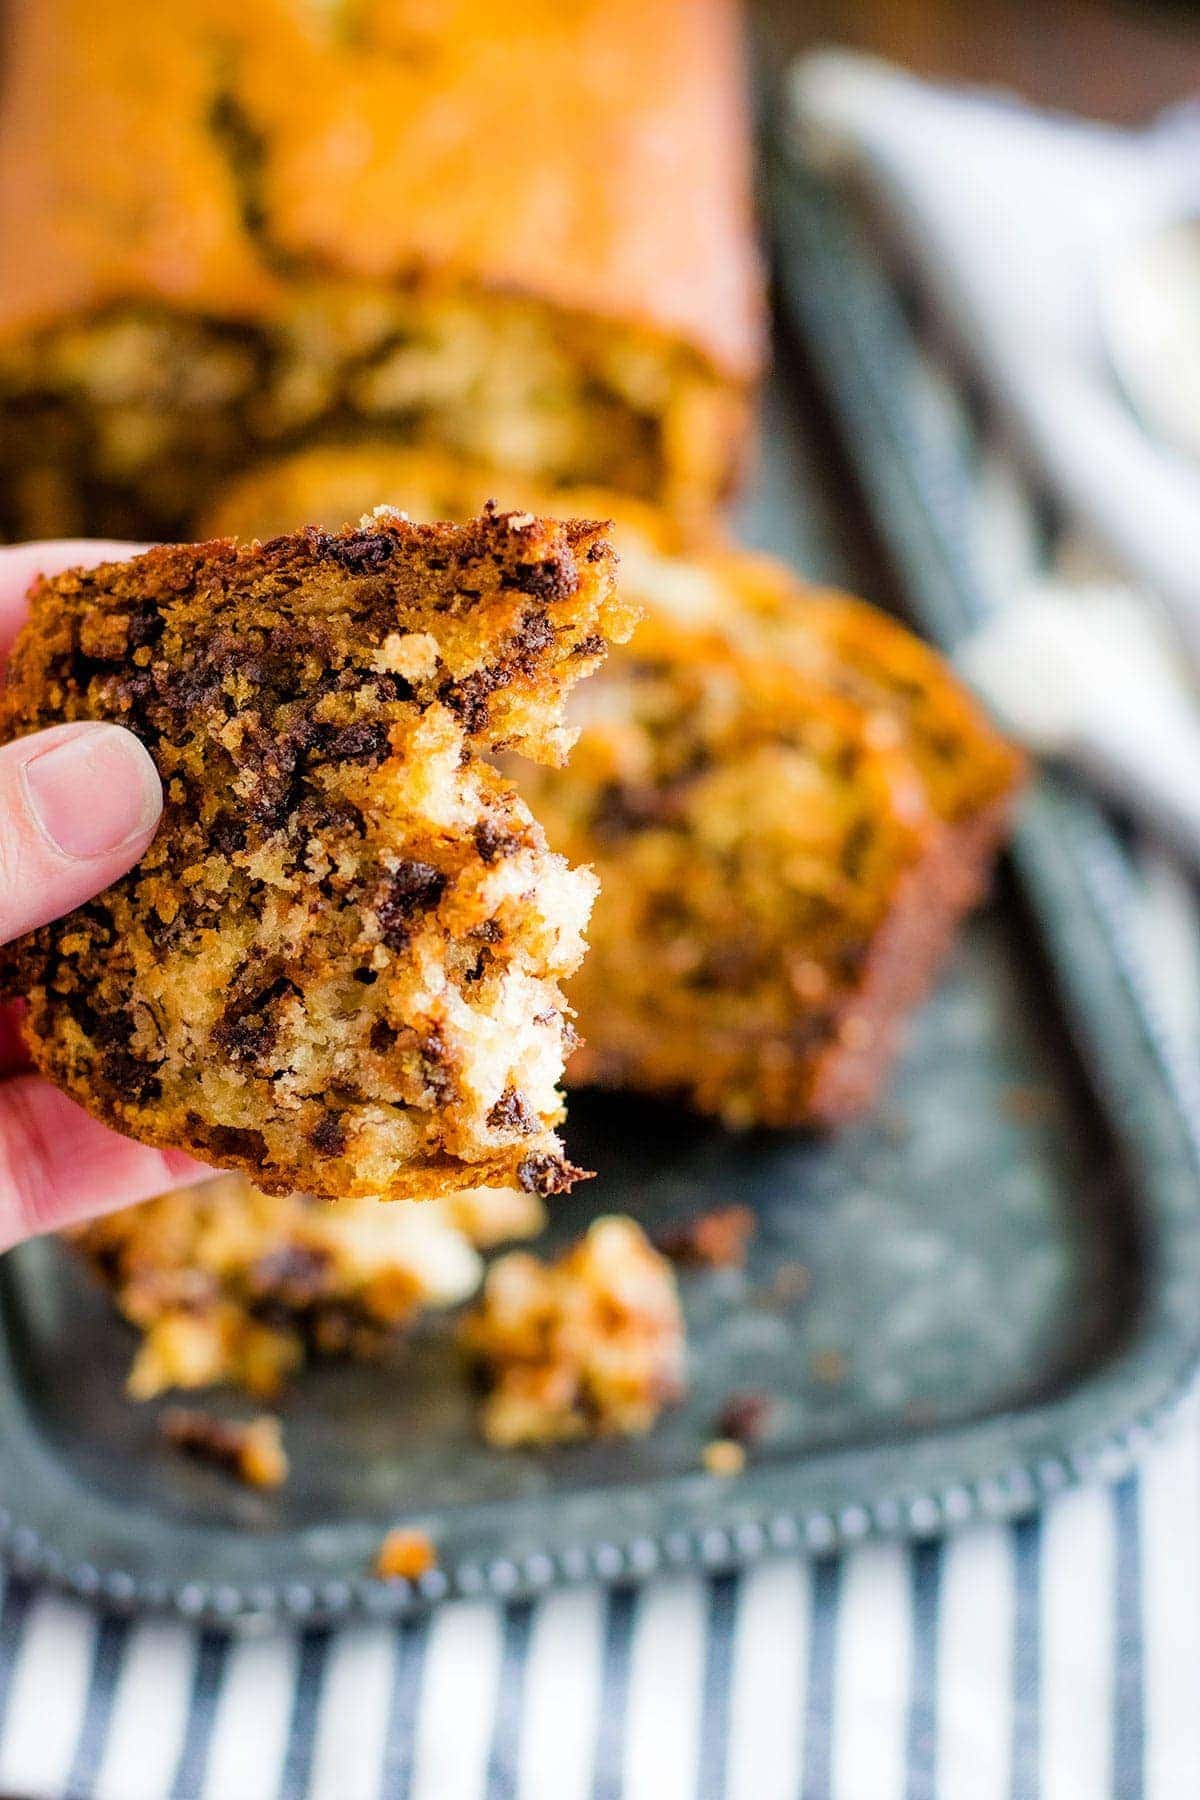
(337, 965)
(790, 800)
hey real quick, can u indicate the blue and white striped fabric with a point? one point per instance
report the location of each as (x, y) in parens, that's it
(1055, 1658)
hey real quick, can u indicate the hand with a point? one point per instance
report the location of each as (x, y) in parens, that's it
(78, 806)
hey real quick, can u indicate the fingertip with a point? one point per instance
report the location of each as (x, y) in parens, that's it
(93, 790)
(50, 556)
(185, 1171)
(79, 805)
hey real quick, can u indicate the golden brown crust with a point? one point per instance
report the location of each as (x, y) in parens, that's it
(903, 963)
(335, 967)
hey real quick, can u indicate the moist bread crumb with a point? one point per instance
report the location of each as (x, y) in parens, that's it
(250, 1449)
(227, 1284)
(590, 1345)
(337, 965)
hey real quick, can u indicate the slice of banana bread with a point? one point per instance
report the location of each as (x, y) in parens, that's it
(790, 800)
(759, 844)
(790, 819)
(337, 965)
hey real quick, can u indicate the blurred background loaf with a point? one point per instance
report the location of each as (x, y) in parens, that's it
(228, 227)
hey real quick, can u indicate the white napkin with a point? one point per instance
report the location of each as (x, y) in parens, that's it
(1012, 222)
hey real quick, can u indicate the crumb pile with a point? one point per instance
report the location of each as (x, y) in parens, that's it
(227, 1284)
(590, 1345)
(337, 965)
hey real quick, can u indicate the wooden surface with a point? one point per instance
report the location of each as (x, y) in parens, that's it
(1113, 59)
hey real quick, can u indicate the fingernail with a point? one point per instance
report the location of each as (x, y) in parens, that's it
(93, 792)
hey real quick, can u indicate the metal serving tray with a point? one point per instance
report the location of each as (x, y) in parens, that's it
(1002, 1270)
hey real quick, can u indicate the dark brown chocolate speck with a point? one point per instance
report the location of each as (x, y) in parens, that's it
(360, 553)
(511, 1113)
(547, 1174)
(555, 578)
(414, 888)
(744, 1417)
(329, 1135)
(491, 840)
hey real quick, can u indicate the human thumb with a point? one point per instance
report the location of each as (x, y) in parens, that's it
(78, 806)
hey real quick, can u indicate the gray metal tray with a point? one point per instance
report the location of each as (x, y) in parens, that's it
(1003, 1269)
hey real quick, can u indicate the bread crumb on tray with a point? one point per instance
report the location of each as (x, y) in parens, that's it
(589, 1345)
(722, 1456)
(251, 1449)
(718, 1239)
(405, 1555)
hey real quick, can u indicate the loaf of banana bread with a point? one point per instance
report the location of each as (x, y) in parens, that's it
(789, 799)
(228, 226)
(336, 967)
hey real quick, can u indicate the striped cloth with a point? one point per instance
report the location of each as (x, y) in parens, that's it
(1055, 1658)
